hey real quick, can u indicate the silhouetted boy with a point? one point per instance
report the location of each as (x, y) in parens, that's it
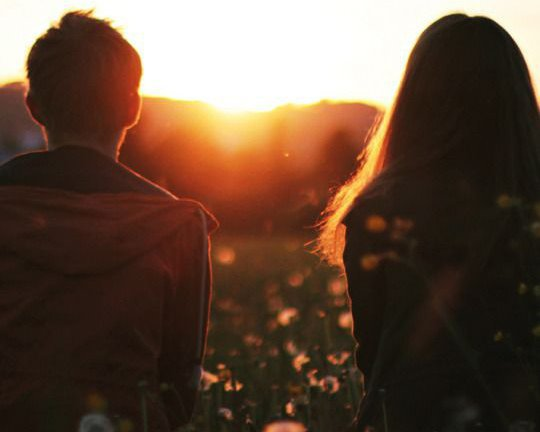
(104, 276)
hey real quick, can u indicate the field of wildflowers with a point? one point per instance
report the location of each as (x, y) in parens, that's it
(280, 353)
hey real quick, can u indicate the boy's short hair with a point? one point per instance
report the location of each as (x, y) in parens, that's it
(81, 72)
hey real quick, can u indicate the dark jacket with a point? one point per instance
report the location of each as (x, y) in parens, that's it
(104, 279)
(444, 307)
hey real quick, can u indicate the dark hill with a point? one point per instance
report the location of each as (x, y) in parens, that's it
(268, 170)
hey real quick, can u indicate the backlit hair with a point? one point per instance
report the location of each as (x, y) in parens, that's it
(465, 103)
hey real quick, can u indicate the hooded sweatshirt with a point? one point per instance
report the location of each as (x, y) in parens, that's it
(103, 306)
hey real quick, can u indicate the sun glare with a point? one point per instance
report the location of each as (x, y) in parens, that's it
(240, 55)
(246, 55)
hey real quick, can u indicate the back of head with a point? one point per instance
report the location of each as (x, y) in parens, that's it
(466, 107)
(466, 104)
(82, 74)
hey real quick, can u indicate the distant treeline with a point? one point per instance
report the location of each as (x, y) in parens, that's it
(258, 172)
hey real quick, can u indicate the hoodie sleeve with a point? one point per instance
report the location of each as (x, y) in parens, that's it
(186, 314)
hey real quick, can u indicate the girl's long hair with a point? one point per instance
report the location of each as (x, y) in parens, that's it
(465, 104)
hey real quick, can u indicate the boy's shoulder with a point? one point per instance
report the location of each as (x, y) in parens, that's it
(76, 169)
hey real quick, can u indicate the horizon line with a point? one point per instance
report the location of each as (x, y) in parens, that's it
(323, 100)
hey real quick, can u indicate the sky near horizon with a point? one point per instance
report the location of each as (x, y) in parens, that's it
(257, 54)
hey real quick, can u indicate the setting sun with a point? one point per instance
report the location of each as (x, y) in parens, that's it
(245, 55)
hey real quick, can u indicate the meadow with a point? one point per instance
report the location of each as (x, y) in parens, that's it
(279, 346)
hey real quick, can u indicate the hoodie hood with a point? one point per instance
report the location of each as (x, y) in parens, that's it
(76, 234)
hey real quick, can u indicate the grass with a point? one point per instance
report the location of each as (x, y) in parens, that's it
(279, 345)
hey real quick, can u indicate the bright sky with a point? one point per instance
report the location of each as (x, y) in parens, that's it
(257, 54)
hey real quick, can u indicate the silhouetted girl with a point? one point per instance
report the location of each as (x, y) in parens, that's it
(438, 234)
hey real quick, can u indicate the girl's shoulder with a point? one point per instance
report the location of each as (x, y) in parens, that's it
(442, 216)
(427, 196)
